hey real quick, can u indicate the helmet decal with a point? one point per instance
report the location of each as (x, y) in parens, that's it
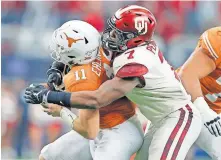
(141, 25)
(71, 40)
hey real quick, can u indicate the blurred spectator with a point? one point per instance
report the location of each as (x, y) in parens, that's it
(7, 48)
(10, 115)
(208, 14)
(170, 20)
(95, 20)
(93, 14)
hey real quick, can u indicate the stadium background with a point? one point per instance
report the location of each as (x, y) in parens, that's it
(26, 29)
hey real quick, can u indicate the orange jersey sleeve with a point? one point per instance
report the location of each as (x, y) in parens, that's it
(210, 40)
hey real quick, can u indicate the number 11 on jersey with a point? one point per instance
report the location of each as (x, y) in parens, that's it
(78, 77)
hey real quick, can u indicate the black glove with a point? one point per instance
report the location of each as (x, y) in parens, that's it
(55, 74)
(36, 94)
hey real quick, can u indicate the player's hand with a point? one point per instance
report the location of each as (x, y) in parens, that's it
(52, 109)
(54, 78)
(36, 94)
(210, 118)
(55, 74)
(214, 126)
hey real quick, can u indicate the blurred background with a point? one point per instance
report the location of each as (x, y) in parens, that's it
(26, 30)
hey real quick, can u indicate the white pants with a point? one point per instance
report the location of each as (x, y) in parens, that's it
(117, 143)
(210, 143)
(172, 136)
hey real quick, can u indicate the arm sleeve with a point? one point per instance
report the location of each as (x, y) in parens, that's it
(132, 70)
(137, 66)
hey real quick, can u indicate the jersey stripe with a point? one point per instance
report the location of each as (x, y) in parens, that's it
(210, 48)
(183, 135)
(173, 135)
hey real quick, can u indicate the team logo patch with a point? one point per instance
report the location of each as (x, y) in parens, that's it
(141, 25)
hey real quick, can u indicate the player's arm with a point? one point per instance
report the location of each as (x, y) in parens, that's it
(127, 76)
(197, 66)
(202, 62)
(126, 79)
(108, 92)
(86, 123)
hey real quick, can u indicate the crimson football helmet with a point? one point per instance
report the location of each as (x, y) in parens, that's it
(130, 27)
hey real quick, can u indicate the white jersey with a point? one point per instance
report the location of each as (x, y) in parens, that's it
(162, 93)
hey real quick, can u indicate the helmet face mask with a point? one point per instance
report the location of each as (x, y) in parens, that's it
(115, 39)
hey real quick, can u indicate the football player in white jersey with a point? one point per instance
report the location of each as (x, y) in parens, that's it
(144, 76)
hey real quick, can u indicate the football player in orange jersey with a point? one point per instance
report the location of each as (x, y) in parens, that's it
(201, 77)
(120, 134)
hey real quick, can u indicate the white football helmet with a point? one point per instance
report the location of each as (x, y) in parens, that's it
(75, 42)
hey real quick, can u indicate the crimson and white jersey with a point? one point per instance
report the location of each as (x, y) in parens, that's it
(162, 92)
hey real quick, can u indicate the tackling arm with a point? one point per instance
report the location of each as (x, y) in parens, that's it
(197, 66)
(108, 92)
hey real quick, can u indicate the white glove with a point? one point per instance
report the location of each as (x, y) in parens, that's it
(210, 118)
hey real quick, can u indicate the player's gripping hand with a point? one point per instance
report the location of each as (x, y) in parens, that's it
(54, 74)
(36, 94)
(214, 126)
(210, 118)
